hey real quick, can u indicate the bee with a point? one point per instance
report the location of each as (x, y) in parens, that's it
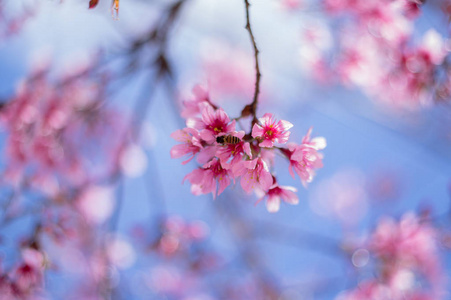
(228, 140)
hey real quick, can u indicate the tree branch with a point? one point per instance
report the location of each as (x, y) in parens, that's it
(251, 109)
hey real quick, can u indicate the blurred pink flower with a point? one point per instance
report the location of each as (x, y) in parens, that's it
(29, 275)
(96, 203)
(409, 243)
(194, 106)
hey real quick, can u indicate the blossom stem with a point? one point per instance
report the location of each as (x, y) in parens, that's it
(252, 108)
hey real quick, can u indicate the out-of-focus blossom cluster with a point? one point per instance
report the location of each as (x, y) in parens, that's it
(407, 262)
(375, 49)
(183, 255)
(186, 265)
(62, 142)
(176, 236)
(11, 24)
(228, 73)
(50, 128)
(227, 154)
(25, 279)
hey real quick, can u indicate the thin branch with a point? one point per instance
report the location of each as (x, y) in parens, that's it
(251, 109)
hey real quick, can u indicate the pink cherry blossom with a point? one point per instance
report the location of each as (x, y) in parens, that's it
(212, 123)
(192, 143)
(204, 180)
(304, 160)
(269, 131)
(277, 193)
(254, 174)
(232, 154)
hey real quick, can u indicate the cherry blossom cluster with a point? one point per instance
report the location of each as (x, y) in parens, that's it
(50, 126)
(11, 25)
(407, 261)
(377, 51)
(183, 255)
(227, 154)
(24, 280)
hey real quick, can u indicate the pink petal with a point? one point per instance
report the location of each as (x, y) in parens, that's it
(306, 138)
(195, 177)
(200, 93)
(223, 183)
(221, 115)
(195, 123)
(247, 149)
(179, 151)
(239, 134)
(290, 168)
(265, 180)
(231, 126)
(266, 119)
(285, 125)
(207, 136)
(257, 131)
(288, 195)
(283, 138)
(247, 182)
(188, 160)
(206, 154)
(273, 204)
(208, 115)
(267, 144)
(319, 143)
(180, 136)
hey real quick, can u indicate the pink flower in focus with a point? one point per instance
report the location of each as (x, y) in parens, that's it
(192, 143)
(205, 180)
(232, 154)
(277, 193)
(213, 123)
(270, 131)
(254, 174)
(305, 158)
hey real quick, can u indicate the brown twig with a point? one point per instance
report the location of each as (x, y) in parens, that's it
(251, 109)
